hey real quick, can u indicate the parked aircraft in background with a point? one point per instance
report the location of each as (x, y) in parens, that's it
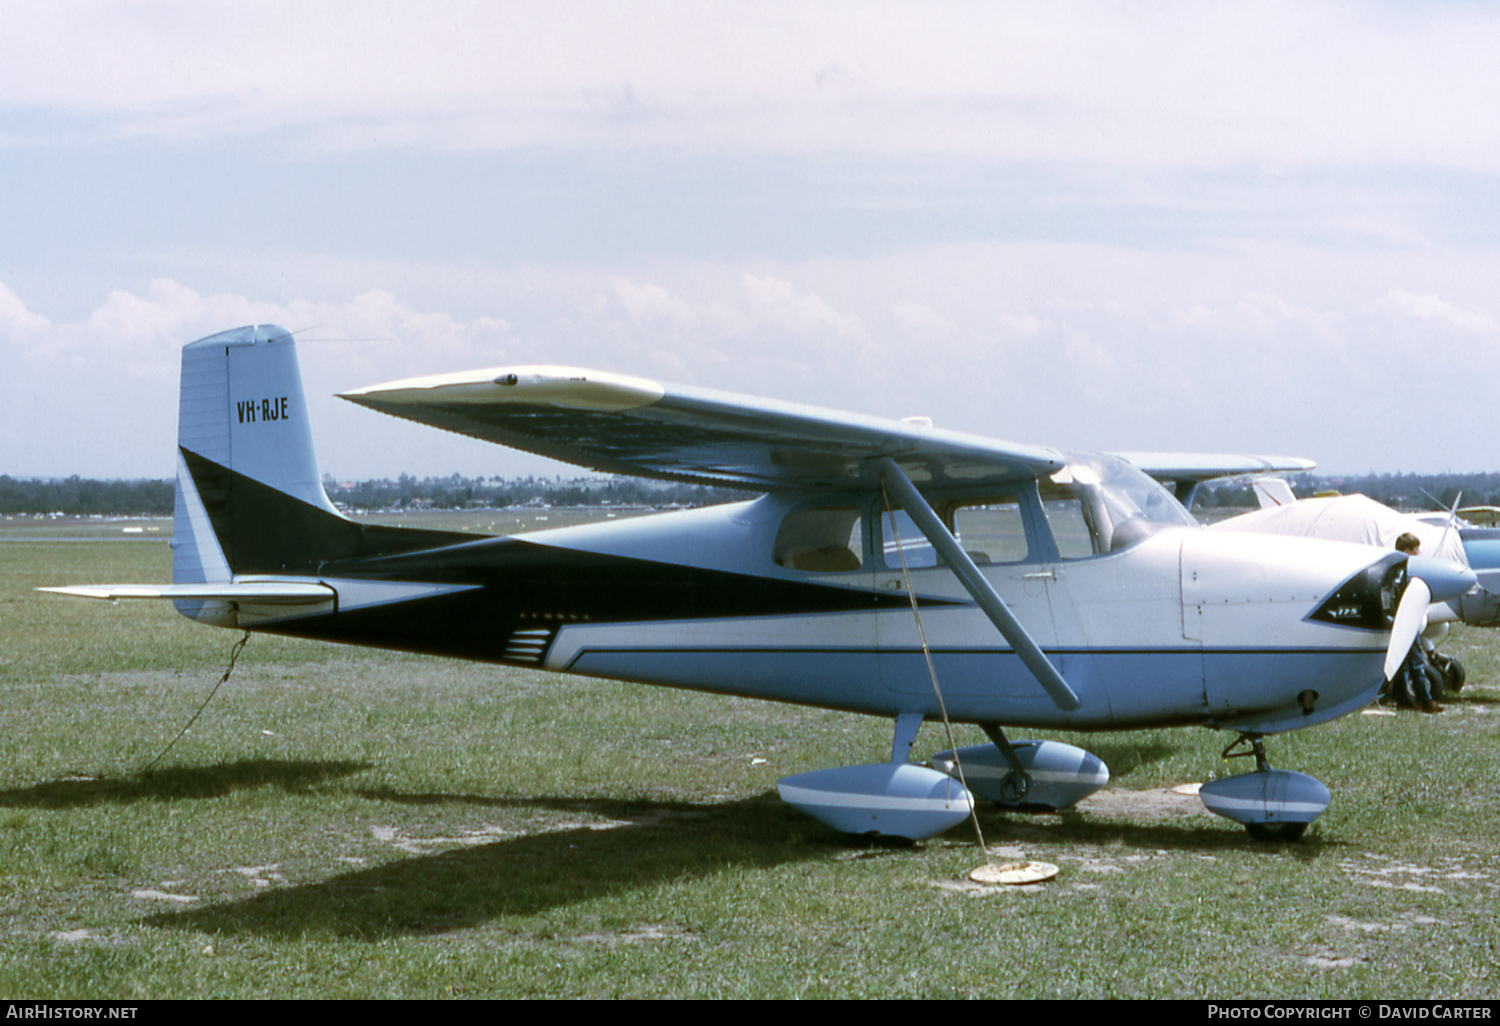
(1050, 590)
(1356, 518)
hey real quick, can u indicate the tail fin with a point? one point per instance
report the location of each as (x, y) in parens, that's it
(243, 437)
(250, 498)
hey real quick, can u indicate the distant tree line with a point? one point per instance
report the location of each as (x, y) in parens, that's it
(458, 492)
(75, 496)
(78, 496)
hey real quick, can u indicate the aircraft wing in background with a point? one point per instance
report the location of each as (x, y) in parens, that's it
(1185, 471)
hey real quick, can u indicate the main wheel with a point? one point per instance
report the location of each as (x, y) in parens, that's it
(1452, 671)
(1015, 787)
(1435, 682)
(1276, 831)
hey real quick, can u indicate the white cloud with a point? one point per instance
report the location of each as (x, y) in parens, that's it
(782, 306)
(1217, 84)
(16, 322)
(921, 323)
(1467, 320)
(1073, 346)
(650, 305)
(98, 397)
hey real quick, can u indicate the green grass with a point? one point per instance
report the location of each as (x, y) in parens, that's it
(346, 823)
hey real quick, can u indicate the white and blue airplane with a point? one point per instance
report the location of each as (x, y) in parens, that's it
(888, 568)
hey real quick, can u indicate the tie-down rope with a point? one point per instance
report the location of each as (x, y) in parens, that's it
(931, 668)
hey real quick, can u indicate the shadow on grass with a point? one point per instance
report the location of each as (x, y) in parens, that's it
(466, 887)
(1179, 835)
(178, 783)
(646, 844)
(1123, 758)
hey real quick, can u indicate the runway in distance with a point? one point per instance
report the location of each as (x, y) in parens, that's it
(886, 567)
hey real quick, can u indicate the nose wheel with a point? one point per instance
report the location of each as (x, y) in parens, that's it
(1283, 831)
(1271, 804)
(1276, 831)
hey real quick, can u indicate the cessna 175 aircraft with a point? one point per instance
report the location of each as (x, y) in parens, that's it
(889, 568)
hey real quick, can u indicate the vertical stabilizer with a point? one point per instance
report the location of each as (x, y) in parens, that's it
(245, 455)
(250, 497)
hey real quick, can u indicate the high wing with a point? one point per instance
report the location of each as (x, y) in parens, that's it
(628, 425)
(635, 426)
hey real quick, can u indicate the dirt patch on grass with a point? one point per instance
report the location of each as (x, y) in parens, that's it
(1446, 873)
(1159, 803)
(645, 933)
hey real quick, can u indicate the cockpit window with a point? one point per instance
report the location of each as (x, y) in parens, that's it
(1098, 504)
(828, 539)
(1072, 530)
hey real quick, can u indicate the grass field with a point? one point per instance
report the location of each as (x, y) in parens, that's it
(347, 823)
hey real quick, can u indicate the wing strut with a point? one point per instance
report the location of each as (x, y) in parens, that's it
(934, 530)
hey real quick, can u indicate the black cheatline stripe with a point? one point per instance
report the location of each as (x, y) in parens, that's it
(266, 531)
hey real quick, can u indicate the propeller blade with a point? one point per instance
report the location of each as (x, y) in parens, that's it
(1410, 615)
(1452, 520)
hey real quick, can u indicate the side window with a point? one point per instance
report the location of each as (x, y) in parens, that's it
(992, 531)
(913, 543)
(1072, 528)
(828, 539)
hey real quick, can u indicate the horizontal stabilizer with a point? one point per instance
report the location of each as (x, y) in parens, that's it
(261, 593)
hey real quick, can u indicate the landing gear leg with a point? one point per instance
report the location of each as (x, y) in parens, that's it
(1017, 784)
(1257, 749)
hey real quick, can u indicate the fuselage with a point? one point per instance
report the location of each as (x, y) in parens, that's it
(804, 599)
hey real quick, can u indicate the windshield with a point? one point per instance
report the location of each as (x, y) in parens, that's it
(1098, 504)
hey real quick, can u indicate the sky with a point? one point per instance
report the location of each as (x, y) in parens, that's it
(1196, 226)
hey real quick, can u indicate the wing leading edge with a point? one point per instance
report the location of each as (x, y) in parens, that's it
(627, 425)
(1185, 471)
(1198, 467)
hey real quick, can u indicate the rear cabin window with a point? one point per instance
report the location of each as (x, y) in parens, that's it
(899, 536)
(989, 530)
(828, 539)
(992, 532)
